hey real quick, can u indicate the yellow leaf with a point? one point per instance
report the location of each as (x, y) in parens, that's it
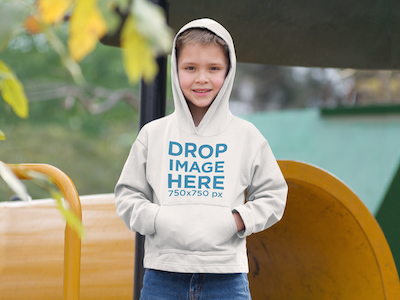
(87, 26)
(12, 91)
(2, 136)
(53, 11)
(138, 57)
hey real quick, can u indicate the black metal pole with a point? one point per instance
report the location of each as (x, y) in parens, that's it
(151, 107)
(152, 95)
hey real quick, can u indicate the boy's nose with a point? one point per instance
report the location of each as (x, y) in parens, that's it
(202, 78)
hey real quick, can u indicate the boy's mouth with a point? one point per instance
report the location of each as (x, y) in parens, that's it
(202, 91)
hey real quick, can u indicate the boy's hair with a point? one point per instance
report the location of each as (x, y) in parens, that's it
(202, 36)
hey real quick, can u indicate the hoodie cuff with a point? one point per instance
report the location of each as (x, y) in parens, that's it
(248, 220)
(150, 219)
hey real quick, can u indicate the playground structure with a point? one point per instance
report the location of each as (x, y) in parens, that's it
(327, 246)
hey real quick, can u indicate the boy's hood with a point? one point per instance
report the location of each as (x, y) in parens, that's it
(218, 115)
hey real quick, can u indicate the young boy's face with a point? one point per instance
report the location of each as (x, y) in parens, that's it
(201, 71)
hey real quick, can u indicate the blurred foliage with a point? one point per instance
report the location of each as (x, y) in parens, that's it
(88, 22)
(34, 62)
(91, 149)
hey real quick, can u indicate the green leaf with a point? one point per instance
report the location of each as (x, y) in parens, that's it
(71, 219)
(13, 182)
(12, 16)
(123, 5)
(46, 183)
(12, 91)
(112, 19)
(2, 136)
(151, 23)
(72, 66)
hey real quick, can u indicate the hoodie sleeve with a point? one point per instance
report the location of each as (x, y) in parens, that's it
(133, 194)
(266, 195)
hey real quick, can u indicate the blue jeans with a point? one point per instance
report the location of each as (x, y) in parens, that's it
(161, 285)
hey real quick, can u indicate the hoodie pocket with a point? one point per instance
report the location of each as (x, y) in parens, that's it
(194, 227)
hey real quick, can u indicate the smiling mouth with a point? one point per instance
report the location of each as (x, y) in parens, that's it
(202, 91)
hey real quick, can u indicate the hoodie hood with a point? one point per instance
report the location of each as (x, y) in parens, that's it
(218, 116)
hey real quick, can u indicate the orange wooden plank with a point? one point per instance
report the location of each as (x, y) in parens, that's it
(31, 251)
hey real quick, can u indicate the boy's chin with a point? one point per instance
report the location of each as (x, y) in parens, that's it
(194, 106)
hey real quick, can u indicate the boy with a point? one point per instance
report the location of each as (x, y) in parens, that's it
(184, 183)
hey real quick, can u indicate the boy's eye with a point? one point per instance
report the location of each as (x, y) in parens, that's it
(214, 68)
(189, 68)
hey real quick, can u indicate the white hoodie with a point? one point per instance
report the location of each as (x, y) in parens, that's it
(181, 183)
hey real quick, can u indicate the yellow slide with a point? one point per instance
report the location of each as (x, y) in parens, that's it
(327, 246)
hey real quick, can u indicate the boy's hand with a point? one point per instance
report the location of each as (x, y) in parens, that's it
(239, 221)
